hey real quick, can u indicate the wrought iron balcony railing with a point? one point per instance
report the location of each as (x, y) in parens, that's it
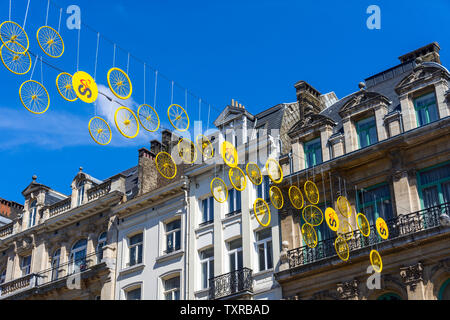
(230, 284)
(398, 227)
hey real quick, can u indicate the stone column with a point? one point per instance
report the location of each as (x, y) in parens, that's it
(219, 252)
(408, 113)
(298, 156)
(402, 193)
(351, 142)
(442, 105)
(412, 276)
(10, 265)
(246, 227)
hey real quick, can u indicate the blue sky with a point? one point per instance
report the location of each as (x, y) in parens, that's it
(252, 51)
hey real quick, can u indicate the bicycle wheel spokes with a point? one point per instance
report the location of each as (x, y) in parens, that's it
(50, 41)
(64, 86)
(126, 122)
(178, 117)
(119, 83)
(17, 63)
(100, 131)
(148, 118)
(14, 37)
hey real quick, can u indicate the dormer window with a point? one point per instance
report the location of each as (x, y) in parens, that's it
(426, 109)
(367, 132)
(80, 195)
(33, 213)
(313, 153)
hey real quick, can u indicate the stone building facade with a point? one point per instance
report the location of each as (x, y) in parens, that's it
(385, 147)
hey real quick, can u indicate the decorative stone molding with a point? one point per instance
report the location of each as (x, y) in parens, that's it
(442, 264)
(324, 295)
(362, 101)
(284, 259)
(348, 290)
(422, 75)
(412, 275)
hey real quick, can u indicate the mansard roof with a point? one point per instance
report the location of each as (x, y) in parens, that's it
(362, 98)
(422, 73)
(230, 113)
(311, 121)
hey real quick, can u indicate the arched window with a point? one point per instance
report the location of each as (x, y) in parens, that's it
(444, 292)
(56, 258)
(100, 245)
(389, 296)
(33, 212)
(78, 256)
(80, 196)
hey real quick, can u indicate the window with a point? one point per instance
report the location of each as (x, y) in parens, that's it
(207, 266)
(434, 184)
(33, 212)
(426, 109)
(207, 210)
(367, 132)
(25, 265)
(135, 249)
(376, 202)
(235, 255)
(3, 276)
(313, 153)
(262, 190)
(173, 236)
(134, 294)
(172, 288)
(234, 201)
(56, 259)
(264, 249)
(78, 256)
(80, 196)
(100, 245)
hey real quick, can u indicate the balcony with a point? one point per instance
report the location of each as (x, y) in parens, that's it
(99, 190)
(399, 227)
(233, 285)
(56, 277)
(60, 207)
(6, 230)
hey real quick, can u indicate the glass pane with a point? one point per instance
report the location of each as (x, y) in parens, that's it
(211, 208)
(264, 234)
(266, 187)
(430, 197)
(204, 275)
(134, 294)
(435, 174)
(235, 244)
(261, 257)
(446, 191)
(231, 200)
(139, 248)
(205, 210)
(132, 256)
(269, 255)
(259, 192)
(240, 260)
(178, 240)
(232, 262)
(172, 283)
(238, 200)
(136, 239)
(432, 113)
(205, 254)
(373, 135)
(211, 269)
(170, 243)
(174, 225)
(177, 295)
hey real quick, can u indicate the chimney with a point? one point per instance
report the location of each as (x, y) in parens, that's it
(308, 99)
(147, 172)
(430, 52)
(155, 146)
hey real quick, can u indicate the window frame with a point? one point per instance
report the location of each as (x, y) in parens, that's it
(32, 214)
(3, 276)
(236, 253)
(80, 192)
(264, 242)
(172, 291)
(375, 203)
(174, 232)
(307, 152)
(370, 119)
(101, 242)
(139, 248)
(263, 189)
(209, 261)
(437, 183)
(207, 217)
(28, 267)
(234, 206)
(56, 257)
(73, 261)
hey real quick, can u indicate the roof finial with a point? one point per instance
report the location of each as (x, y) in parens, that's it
(362, 85)
(34, 177)
(81, 169)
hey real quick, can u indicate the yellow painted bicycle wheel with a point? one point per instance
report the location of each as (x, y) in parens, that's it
(126, 122)
(17, 63)
(313, 215)
(345, 230)
(205, 146)
(219, 190)
(187, 150)
(342, 249)
(274, 170)
(309, 235)
(229, 154)
(332, 219)
(65, 88)
(50, 41)
(376, 261)
(363, 224)
(165, 165)
(253, 173)
(100, 131)
(296, 197)
(344, 206)
(276, 197)
(311, 192)
(14, 37)
(119, 83)
(148, 118)
(382, 228)
(262, 212)
(237, 178)
(34, 97)
(178, 117)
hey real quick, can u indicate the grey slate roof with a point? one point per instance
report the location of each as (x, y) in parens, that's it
(271, 118)
(131, 182)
